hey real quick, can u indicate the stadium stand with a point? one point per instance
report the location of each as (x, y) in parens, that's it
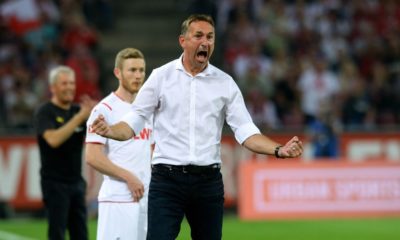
(287, 56)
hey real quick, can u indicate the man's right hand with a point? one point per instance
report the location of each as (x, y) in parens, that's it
(136, 187)
(87, 104)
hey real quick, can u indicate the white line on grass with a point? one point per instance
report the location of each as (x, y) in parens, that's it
(12, 236)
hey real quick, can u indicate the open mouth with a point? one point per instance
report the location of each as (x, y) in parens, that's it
(202, 55)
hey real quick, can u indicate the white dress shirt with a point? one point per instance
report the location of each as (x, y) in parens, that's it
(189, 113)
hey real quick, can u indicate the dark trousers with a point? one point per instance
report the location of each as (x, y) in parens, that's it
(174, 194)
(66, 209)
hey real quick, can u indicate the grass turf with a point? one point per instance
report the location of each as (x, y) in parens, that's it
(324, 229)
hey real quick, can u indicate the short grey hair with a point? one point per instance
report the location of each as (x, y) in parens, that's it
(195, 18)
(53, 75)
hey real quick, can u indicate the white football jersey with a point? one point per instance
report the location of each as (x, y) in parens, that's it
(133, 154)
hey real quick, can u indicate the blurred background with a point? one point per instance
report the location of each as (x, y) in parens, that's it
(295, 61)
(325, 70)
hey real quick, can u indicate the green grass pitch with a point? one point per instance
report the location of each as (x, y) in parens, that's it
(322, 229)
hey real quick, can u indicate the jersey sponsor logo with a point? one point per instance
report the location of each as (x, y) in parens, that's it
(60, 119)
(143, 135)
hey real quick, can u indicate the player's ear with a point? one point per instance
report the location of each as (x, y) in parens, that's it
(117, 72)
(181, 40)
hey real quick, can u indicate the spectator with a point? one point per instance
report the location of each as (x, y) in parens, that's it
(254, 58)
(21, 101)
(324, 131)
(316, 85)
(262, 110)
(77, 33)
(87, 72)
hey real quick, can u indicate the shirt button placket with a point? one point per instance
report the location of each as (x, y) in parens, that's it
(192, 119)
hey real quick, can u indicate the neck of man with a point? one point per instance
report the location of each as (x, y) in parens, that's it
(125, 95)
(194, 68)
(61, 104)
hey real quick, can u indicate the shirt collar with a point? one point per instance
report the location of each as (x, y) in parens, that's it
(206, 72)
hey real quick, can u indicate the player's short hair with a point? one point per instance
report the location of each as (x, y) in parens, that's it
(195, 18)
(55, 72)
(127, 53)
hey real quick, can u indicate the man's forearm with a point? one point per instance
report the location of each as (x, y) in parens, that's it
(120, 131)
(96, 158)
(259, 143)
(56, 137)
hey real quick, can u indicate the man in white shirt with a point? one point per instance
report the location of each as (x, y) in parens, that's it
(191, 99)
(124, 164)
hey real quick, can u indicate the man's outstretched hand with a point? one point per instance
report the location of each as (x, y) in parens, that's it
(292, 149)
(100, 126)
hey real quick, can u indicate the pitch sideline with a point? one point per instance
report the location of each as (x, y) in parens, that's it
(11, 236)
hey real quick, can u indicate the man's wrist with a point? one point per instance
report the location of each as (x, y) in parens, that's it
(277, 151)
(80, 117)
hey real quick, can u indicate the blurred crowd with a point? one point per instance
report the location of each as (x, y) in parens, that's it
(312, 63)
(36, 35)
(315, 64)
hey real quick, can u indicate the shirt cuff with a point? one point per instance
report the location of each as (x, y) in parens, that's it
(245, 131)
(94, 138)
(134, 121)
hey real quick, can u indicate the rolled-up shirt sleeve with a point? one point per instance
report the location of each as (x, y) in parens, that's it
(134, 121)
(144, 105)
(245, 131)
(237, 115)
